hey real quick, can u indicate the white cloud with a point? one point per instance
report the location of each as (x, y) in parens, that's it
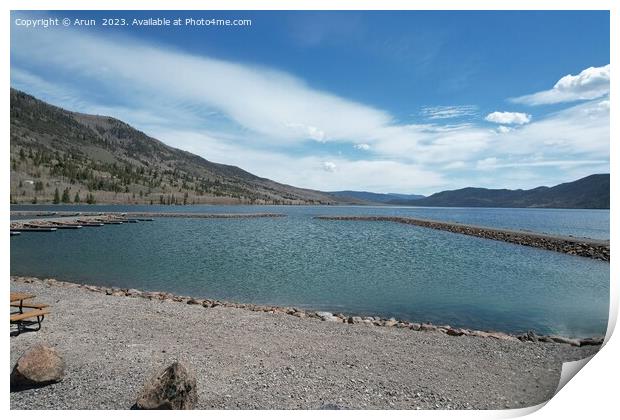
(310, 171)
(276, 104)
(445, 112)
(457, 164)
(581, 130)
(518, 118)
(591, 83)
(329, 166)
(503, 129)
(362, 146)
(487, 163)
(308, 131)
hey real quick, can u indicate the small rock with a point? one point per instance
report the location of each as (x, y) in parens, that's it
(173, 389)
(39, 366)
(502, 336)
(193, 302)
(454, 332)
(596, 341)
(330, 406)
(355, 320)
(390, 322)
(428, 327)
(564, 340)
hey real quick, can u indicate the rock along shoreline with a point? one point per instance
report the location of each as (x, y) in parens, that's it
(319, 315)
(583, 247)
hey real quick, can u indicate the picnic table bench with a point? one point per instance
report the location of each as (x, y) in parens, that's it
(39, 312)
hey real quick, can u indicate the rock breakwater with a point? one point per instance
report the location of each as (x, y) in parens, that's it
(583, 247)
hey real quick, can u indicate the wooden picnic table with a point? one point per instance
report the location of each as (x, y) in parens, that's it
(39, 312)
(20, 297)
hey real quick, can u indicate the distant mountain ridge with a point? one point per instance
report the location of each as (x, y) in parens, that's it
(375, 197)
(591, 192)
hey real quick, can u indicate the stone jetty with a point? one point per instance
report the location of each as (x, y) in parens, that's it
(583, 247)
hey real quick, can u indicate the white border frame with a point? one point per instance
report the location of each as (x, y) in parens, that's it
(590, 395)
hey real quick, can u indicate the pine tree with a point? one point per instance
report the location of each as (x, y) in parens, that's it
(65, 196)
(76, 199)
(56, 197)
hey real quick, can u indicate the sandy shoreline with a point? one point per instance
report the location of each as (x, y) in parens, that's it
(254, 359)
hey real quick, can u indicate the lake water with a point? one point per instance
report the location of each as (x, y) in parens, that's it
(374, 268)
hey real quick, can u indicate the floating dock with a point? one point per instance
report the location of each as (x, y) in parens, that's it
(86, 223)
(31, 229)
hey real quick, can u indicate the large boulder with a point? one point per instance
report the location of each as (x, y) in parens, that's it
(39, 366)
(328, 316)
(173, 389)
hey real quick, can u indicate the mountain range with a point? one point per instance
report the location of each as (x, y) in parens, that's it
(63, 156)
(591, 192)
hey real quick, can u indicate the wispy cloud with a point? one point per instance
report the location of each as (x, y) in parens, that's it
(493, 163)
(591, 83)
(446, 112)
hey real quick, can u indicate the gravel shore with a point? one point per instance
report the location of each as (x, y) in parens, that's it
(255, 360)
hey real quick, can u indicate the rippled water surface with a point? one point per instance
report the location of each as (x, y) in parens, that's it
(377, 268)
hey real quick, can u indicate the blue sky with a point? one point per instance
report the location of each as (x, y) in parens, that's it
(409, 102)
